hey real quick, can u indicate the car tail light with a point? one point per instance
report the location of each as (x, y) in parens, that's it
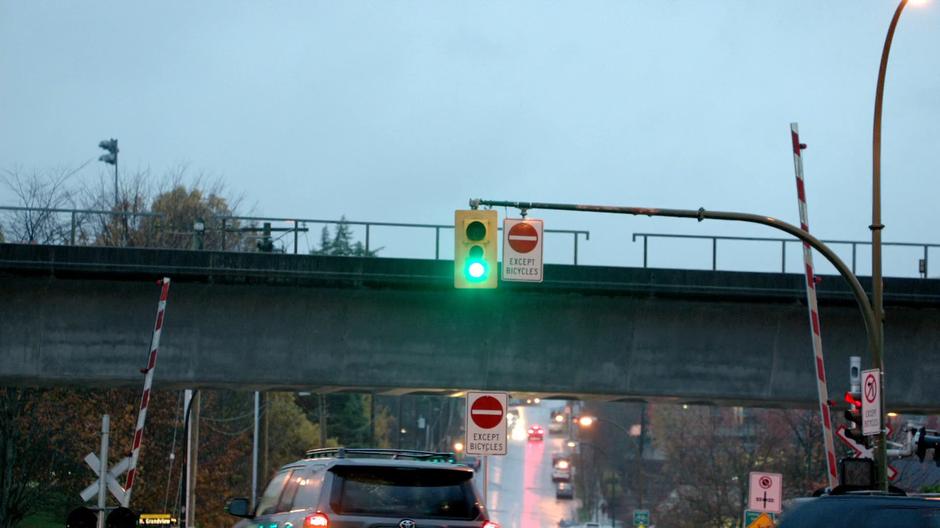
(490, 524)
(317, 519)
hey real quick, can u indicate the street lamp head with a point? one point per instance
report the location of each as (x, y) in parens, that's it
(919, 3)
(586, 421)
(458, 447)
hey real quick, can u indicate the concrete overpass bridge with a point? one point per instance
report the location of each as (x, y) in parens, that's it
(83, 315)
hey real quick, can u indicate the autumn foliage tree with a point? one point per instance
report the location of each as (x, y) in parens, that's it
(709, 452)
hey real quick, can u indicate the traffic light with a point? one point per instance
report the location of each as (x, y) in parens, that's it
(925, 441)
(81, 517)
(854, 415)
(858, 473)
(121, 517)
(111, 145)
(475, 241)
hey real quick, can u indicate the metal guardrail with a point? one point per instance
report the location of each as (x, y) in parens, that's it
(73, 212)
(228, 223)
(299, 224)
(783, 246)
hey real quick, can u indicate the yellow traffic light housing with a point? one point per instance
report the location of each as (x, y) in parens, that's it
(475, 242)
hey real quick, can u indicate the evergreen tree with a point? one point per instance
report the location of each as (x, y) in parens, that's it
(341, 244)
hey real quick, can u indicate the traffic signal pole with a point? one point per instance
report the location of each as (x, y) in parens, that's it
(872, 325)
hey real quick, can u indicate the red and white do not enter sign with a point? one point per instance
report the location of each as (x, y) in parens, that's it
(523, 237)
(487, 431)
(486, 412)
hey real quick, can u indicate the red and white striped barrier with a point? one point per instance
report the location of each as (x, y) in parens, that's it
(148, 381)
(821, 387)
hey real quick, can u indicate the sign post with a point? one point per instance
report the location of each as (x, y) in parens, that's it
(107, 479)
(871, 402)
(765, 492)
(486, 428)
(522, 250)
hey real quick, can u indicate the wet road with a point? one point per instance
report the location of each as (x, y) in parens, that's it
(521, 491)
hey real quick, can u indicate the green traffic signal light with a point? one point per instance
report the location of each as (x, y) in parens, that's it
(476, 269)
(475, 249)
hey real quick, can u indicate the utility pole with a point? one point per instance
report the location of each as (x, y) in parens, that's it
(254, 454)
(639, 455)
(321, 418)
(192, 455)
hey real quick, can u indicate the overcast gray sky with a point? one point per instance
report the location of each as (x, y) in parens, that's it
(402, 110)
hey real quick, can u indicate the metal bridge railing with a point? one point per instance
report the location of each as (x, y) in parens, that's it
(229, 226)
(298, 225)
(75, 216)
(783, 247)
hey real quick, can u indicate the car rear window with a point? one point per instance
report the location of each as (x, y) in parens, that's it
(413, 492)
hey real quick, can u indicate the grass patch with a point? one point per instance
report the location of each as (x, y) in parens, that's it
(41, 520)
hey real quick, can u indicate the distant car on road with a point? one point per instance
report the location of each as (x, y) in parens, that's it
(564, 490)
(561, 471)
(863, 510)
(357, 488)
(536, 433)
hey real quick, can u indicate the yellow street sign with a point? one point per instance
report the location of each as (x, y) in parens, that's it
(762, 521)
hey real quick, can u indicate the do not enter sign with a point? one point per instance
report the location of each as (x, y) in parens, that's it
(486, 423)
(486, 412)
(522, 250)
(523, 237)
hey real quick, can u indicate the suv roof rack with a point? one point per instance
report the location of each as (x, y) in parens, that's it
(394, 454)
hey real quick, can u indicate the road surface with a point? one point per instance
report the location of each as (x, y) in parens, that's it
(521, 492)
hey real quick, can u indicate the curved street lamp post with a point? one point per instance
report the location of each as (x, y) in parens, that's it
(861, 298)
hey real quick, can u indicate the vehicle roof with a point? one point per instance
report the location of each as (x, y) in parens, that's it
(331, 462)
(877, 497)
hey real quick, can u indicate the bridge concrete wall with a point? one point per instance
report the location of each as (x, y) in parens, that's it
(74, 322)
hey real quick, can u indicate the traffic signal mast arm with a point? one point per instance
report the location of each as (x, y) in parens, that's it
(701, 214)
(872, 326)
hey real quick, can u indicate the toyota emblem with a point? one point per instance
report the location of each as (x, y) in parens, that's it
(407, 523)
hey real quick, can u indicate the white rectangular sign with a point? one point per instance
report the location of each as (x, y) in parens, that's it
(486, 423)
(522, 250)
(765, 492)
(871, 402)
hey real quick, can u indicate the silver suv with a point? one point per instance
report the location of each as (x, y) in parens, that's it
(368, 488)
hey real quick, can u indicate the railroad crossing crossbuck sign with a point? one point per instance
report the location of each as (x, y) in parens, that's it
(765, 492)
(522, 250)
(95, 463)
(860, 451)
(486, 423)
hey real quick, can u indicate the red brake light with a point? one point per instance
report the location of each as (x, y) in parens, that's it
(490, 524)
(317, 519)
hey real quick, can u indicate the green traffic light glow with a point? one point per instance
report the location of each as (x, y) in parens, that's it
(476, 270)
